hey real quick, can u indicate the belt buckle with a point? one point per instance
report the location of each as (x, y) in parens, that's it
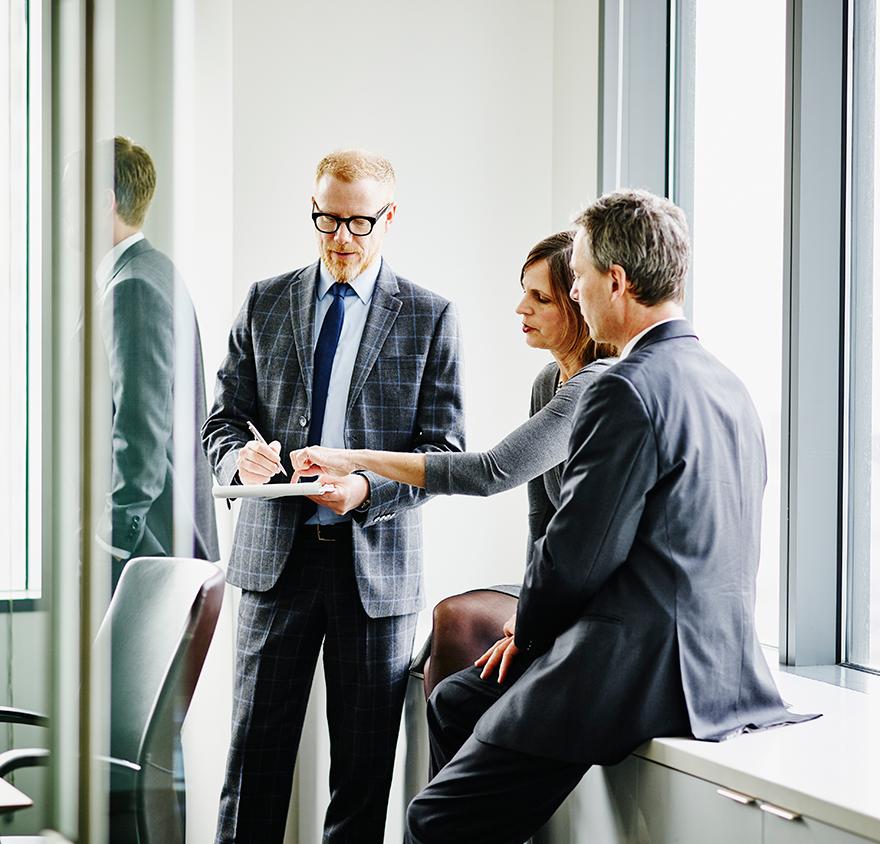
(328, 537)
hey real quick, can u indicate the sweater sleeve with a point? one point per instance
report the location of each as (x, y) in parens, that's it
(527, 452)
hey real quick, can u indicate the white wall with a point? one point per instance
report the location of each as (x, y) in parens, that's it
(488, 112)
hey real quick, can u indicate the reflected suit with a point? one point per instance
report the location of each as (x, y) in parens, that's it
(145, 311)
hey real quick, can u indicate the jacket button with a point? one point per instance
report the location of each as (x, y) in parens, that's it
(303, 421)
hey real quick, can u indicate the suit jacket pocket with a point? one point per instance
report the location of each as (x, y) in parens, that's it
(605, 619)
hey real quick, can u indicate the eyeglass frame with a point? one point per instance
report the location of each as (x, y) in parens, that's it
(347, 220)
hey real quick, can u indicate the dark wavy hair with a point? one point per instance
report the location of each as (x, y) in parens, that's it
(556, 251)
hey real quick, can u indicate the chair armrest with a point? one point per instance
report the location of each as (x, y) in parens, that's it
(33, 757)
(119, 764)
(14, 715)
(24, 757)
(417, 666)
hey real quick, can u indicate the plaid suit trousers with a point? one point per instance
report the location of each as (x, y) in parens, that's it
(366, 662)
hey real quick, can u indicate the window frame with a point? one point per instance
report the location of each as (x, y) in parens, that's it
(858, 318)
(814, 495)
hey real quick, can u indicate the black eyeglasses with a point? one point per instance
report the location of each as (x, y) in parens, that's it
(359, 225)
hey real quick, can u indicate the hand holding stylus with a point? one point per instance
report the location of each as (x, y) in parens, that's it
(259, 461)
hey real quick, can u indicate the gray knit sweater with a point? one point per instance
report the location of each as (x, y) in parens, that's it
(534, 452)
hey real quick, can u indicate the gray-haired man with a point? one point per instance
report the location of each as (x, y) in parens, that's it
(636, 617)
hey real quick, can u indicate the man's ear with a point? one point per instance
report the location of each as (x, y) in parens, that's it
(619, 281)
(109, 204)
(389, 214)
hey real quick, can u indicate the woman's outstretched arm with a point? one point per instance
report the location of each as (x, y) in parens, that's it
(536, 446)
(402, 466)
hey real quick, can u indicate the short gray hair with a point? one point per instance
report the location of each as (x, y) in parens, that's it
(645, 234)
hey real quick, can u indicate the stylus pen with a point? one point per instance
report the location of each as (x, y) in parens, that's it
(258, 436)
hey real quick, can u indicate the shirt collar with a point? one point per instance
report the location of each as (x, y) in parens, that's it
(627, 349)
(105, 268)
(362, 285)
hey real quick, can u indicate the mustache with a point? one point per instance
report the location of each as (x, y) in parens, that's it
(356, 249)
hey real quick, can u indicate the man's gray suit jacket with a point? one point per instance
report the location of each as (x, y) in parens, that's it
(639, 600)
(151, 336)
(405, 395)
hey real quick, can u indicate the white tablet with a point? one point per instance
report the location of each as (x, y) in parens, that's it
(270, 490)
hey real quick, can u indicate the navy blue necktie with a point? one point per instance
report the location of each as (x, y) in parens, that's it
(325, 351)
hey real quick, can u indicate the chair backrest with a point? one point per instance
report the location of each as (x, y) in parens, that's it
(158, 629)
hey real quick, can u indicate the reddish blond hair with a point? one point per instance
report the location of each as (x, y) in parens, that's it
(351, 165)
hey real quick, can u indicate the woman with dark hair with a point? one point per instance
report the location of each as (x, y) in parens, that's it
(532, 453)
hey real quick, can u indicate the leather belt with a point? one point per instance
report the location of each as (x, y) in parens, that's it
(325, 533)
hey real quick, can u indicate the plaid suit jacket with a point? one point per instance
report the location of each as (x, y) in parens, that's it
(405, 395)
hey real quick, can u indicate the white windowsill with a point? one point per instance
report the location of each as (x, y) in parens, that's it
(827, 769)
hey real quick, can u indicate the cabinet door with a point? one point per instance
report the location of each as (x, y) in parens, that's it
(600, 809)
(675, 808)
(806, 831)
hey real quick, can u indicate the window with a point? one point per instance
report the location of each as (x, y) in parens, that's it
(755, 144)
(737, 229)
(13, 296)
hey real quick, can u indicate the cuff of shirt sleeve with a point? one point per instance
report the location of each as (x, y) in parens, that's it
(364, 507)
(227, 471)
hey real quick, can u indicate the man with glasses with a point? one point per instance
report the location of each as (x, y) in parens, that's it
(344, 353)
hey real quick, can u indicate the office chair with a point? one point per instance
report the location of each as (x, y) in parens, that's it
(157, 629)
(464, 627)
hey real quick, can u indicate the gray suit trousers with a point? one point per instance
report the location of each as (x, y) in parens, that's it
(366, 662)
(483, 792)
(478, 791)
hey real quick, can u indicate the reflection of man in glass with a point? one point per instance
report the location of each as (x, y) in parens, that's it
(152, 339)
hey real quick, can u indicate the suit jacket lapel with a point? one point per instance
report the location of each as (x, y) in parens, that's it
(302, 315)
(384, 308)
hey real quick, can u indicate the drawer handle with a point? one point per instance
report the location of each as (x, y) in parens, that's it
(779, 812)
(735, 795)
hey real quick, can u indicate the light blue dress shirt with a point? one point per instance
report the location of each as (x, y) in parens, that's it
(356, 309)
